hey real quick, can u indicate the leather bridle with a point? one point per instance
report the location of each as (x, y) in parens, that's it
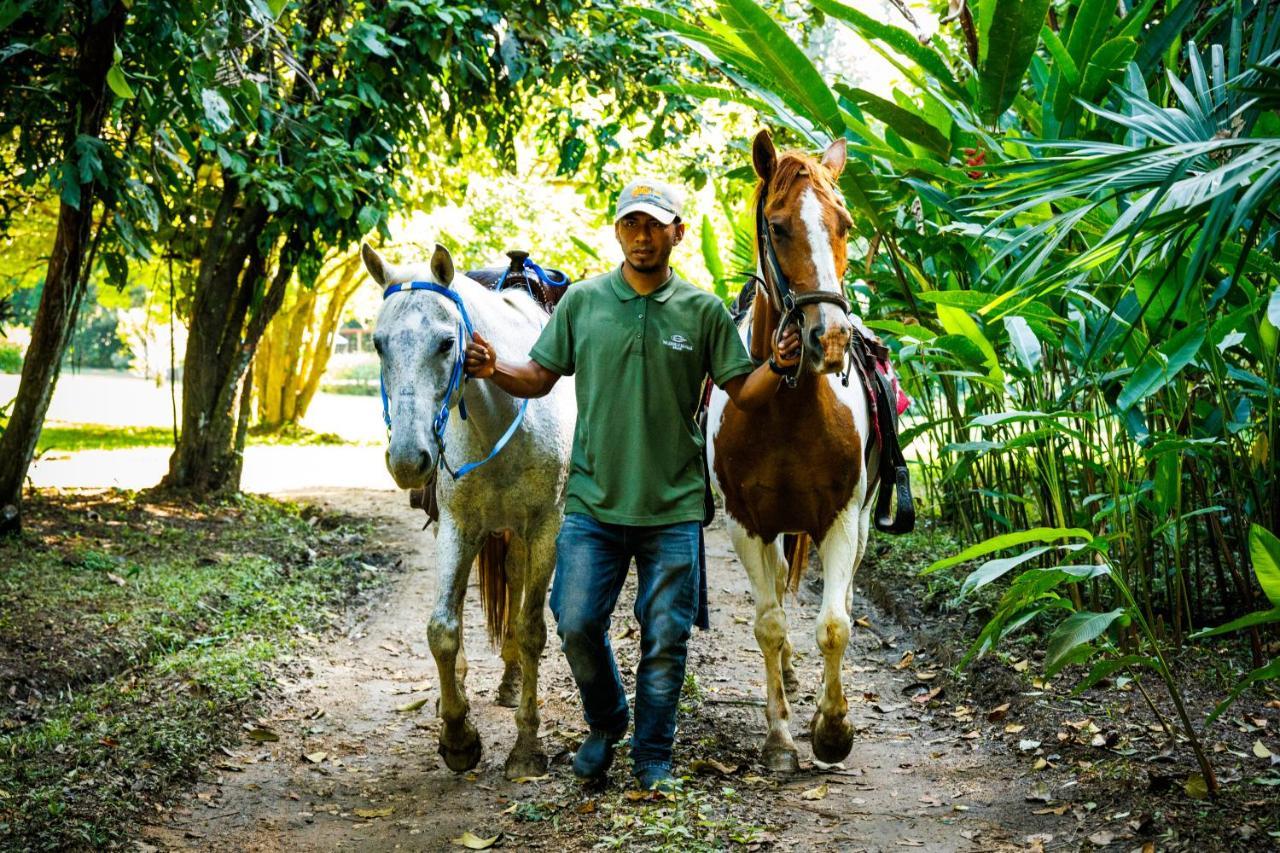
(784, 299)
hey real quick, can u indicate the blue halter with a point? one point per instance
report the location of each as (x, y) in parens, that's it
(457, 377)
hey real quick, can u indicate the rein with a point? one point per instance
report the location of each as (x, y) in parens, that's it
(786, 301)
(457, 378)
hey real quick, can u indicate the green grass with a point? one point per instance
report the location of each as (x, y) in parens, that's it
(136, 637)
(70, 438)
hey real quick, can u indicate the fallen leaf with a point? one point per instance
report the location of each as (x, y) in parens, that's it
(116, 579)
(926, 698)
(636, 794)
(1028, 745)
(315, 757)
(471, 841)
(1040, 764)
(1021, 666)
(411, 706)
(1102, 838)
(707, 766)
(907, 658)
(383, 812)
(741, 620)
(1056, 810)
(1039, 793)
(862, 622)
(910, 842)
(1196, 787)
(588, 807)
(1013, 728)
(262, 735)
(817, 793)
(544, 777)
(1260, 749)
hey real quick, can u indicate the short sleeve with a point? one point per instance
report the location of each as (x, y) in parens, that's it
(554, 347)
(727, 356)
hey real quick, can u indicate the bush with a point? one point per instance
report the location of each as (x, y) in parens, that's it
(10, 358)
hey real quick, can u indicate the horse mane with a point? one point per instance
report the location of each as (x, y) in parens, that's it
(792, 165)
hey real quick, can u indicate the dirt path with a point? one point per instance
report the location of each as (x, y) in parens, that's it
(351, 772)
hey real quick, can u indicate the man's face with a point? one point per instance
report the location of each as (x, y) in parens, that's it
(647, 243)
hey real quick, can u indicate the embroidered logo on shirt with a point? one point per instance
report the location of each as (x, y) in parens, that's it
(679, 343)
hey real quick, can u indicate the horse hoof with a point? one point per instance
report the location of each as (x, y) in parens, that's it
(461, 751)
(509, 692)
(781, 760)
(832, 738)
(525, 765)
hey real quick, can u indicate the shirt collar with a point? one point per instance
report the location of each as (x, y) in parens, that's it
(623, 291)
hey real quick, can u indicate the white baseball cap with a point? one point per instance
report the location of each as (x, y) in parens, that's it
(660, 200)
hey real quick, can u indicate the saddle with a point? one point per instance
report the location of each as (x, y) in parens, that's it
(546, 287)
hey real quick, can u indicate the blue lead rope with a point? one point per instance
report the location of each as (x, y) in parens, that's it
(457, 378)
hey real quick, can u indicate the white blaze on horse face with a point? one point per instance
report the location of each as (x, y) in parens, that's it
(824, 261)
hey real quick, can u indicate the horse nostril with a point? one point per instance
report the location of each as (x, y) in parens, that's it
(424, 462)
(815, 338)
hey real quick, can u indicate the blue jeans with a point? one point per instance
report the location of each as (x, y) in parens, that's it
(592, 559)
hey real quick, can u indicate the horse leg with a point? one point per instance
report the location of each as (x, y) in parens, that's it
(765, 564)
(459, 741)
(832, 733)
(527, 757)
(509, 688)
(790, 681)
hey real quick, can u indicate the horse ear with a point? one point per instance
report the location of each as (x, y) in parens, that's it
(442, 265)
(375, 264)
(834, 157)
(763, 155)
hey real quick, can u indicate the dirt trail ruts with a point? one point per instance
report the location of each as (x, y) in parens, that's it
(352, 772)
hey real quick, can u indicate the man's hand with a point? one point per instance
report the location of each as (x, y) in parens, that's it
(786, 348)
(482, 359)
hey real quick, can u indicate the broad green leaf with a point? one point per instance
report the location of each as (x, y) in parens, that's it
(1159, 367)
(1262, 673)
(216, 111)
(1075, 631)
(908, 125)
(898, 40)
(994, 569)
(785, 60)
(1089, 24)
(1026, 347)
(1258, 617)
(1105, 668)
(958, 322)
(711, 257)
(276, 7)
(1107, 64)
(1006, 46)
(969, 300)
(1264, 550)
(116, 80)
(1159, 37)
(1009, 540)
(1273, 308)
(1063, 62)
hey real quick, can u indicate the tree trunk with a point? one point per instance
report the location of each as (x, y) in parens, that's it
(223, 337)
(64, 282)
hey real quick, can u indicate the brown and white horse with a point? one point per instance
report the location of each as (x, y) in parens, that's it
(798, 465)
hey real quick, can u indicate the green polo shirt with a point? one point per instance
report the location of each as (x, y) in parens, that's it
(639, 363)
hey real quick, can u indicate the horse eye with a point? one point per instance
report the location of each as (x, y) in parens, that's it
(377, 346)
(445, 346)
(777, 230)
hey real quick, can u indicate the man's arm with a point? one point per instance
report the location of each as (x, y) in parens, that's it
(752, 390)
(529, 379)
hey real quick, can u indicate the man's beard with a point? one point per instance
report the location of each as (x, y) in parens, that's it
(654, 264)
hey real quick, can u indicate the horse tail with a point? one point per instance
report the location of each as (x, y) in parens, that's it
(796, 546)
(494, 592)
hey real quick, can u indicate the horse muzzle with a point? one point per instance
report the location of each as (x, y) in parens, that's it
(826, 350)
(410, 466)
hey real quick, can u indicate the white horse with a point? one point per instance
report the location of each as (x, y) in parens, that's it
(516, 498)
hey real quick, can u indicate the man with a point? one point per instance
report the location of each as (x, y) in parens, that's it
(640, 341)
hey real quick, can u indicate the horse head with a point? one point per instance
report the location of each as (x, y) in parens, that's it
(418, 340)
(803, 223)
